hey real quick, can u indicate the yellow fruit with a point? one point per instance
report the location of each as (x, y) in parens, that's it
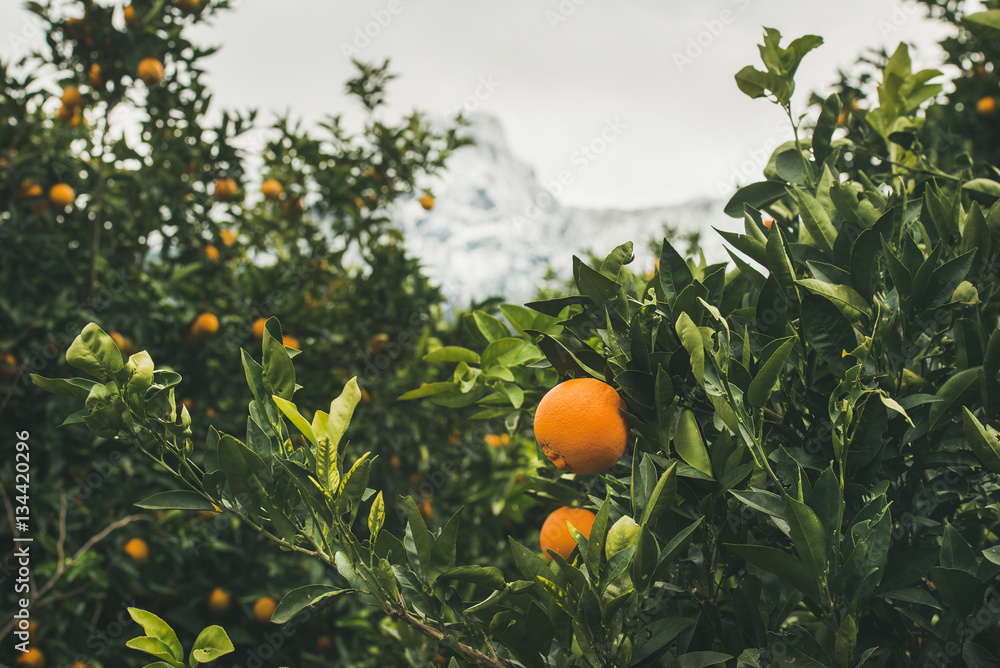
(579, 426)
(377, 343)
(228, 237)
(497, 440)
(290, 341)
(555, 533)
(427, 201)
(258, 328)
(138, 550)
(272, 189)
(224, 190)
(204, 326)
(94, 76)
(263, 608)
(987, 106)
(212, 253)
(187, 5)
(33, 658)
(61, 195)
(151, 71)
(219, 600)
(129, 13)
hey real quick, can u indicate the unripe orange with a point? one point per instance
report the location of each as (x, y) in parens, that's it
(263, 608)
(427, 201)
(580, 427)
(272, 189)
(151, 71)
(61, 195)
(219, 600)
(138, 550)
(555, 533)
(224, 190)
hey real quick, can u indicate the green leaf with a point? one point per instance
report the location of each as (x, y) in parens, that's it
(689, 443)
(155, 647)
(952, 393)
(301, 598)
(160, 630)
(675, 275)
(487, 576)
(769, 374)
(291, 411)
(279, 372)
(701, 659)
(846, 299)
(78, 388)
(428, 390)
(960, 590)
(376, 517)
(529, 563)
(662, 496)
(178, 500)
(489, 327)
(827, 330)
(417, 528)
(983, 441)
(817, 222)
(210, 644)
(341, 410)
(785, 566)
(808, 535)
(825, 126)
(452, 354)
(95, 353)
(757, 195)
(443, 550)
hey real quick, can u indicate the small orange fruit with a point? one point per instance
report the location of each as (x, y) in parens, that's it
(366, 396)
(293, 205)
(28, 189)
(33, 658)
(263, 608)
(94, 76)
(138, 550)
(455, 437)
(65, 114)
(129, 13)
(78, 664)
(555, 533)
(71, 97)
(187, 5)
(579, 426)
(228, 237)
(395, 462)
(124, 343)
(768, 221)
(290, 341)
(151, 71)
(210, 412)
(427, 201)
(258, 328)
(219, 600)
(497, 440)
(8, 366)
(205, 325)
(61, 195)
(427, 509)
(376, 344)
(323, 643)
(212, 253)
(224, 189)
(987, 107)
(272, 189)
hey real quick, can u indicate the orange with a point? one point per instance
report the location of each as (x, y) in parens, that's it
(61, 195)
(29, 189)
(497, 440)
(65, 114)
(841, 118)
(129, 13)
(94, 76)
(767, 220)
(187, 403)
(579, 426)
(272, 189)
(78, 664)
(71, 97)
(427, 201)
(33, 658)
(150, 70)
(427, 509)
(224, 190)
(124, 343)
(455, 437)
(555, 533)
(377, 343)
(212, 253)
(293, 205)
(210, 412)
(987, 106)
(187, 5)
(32, 629)
(258, 328)
(263, 608)
(138, 550)
(205, 325)
(366, 396)
(228, 237)
(323, 643)
(395, 462)
(290, 341)
(219, 600)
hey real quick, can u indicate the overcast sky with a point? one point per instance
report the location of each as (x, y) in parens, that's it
(556, 73)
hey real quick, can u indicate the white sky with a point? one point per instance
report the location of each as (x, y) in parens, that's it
(687, 129)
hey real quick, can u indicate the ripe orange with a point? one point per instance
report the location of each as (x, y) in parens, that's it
(258, 328)
(78, 664)
(129, 13)
(455, 437)
(377, 343)
(61, 195)
(65, 114)
(94, 76)
(427, 509)
(224, 190)
(427, 201)
(219, 600)
(28, 189)
(33, 658)
(293, 205)
(290, 341)
(579, 426)
(124, 343)
(151, 71)
(205, 325)
(71, 96)
(987, 106)
(272, 189)
(212, 253)
(138, 550)
(555, 533)
(395, 462)
(228, 237)
(187, 5)
(497, 440)
(263, 608)
(366, 396)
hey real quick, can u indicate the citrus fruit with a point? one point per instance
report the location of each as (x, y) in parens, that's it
(150, 70)
(228, 237)
(258, 328)
(138, 550)
(263, 608)
(187, 5)
(272, 189)
(28, 189)
(579, 426)
(71, 96)
(205, 325)
(323, 643)
(124, 343)
(224, 189)
(61, 195)
(427, 201)
(395, 462)
(427, 509)
(212, 253)
(94, 76)
(555, 533)
(290, 341)
(33, 658)
(219, 600)
(987, 106)
(129, 13)
(497, 440)
(376, 344)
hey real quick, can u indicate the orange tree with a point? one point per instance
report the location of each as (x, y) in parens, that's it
(810, 476)
(125, 199)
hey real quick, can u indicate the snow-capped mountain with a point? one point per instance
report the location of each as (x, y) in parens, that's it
(495, 229)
